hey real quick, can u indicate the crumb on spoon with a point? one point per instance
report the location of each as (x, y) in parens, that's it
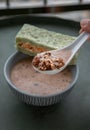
(47, 61)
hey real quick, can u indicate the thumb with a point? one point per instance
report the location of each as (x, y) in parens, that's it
(85, 25)
(84, 22)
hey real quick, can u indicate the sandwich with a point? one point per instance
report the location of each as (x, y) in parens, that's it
(31, 40)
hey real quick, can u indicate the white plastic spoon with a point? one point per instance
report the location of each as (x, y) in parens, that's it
(71, 50)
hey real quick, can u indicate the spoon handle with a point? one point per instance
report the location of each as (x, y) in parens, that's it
(79, 41)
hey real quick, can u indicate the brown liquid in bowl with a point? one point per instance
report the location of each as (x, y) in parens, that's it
(25, 78)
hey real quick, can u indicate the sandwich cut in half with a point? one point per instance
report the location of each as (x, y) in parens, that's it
(32, 40)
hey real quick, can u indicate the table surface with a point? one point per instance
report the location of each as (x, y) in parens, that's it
(71, 114)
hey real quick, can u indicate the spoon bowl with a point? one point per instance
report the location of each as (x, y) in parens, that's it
(66, 54)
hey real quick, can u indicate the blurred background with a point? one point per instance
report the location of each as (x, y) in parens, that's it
(80, 8)
(28, 3)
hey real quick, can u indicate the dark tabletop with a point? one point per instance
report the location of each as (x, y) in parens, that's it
(73, 113)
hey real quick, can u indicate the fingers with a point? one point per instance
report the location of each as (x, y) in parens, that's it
(85, 26)
(81, 30)
(84, 22)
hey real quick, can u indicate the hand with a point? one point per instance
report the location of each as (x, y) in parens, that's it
(85, 26)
